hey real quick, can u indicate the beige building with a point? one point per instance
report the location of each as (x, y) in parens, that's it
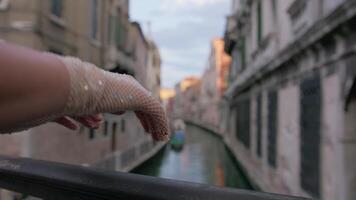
(166, 94)
(139, 47)
(180, 100)
(153, 69)
(67, 28)
(292, 95)
(96, 31)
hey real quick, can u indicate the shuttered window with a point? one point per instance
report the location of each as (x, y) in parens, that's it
(310, 135)
(94, 19)
(243, 122)
(259, 22)
(272, 128)
(91, 134)
(120, 32)
(258, 126)
(56, 8)
(111, 26)
(106, 128)
(243, 53)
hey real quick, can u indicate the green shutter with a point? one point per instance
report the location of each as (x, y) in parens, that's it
(243, 53)
(259, 22)
(117, 31)
(110, 29)
(120, 34)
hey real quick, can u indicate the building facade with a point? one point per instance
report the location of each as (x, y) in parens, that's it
(214, 83)
(95, 31)
(153, 69)
(186, 93)
(292, 94)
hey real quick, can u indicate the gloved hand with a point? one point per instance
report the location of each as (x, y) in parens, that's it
(95, 91)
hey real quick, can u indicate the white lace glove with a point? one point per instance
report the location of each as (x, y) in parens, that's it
(95, 91)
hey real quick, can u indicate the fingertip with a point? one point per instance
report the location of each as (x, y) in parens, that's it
(94, 125)
(98, 118)
(72, 126)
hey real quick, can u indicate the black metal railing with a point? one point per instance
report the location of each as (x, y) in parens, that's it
(50, 180)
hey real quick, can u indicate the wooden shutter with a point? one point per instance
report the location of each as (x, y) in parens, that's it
(310, 135)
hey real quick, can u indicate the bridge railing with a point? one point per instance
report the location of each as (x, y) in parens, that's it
(50, 180)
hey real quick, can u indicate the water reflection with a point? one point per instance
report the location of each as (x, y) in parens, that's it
(203, 159)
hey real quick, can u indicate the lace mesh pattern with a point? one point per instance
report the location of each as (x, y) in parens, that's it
(94, 90)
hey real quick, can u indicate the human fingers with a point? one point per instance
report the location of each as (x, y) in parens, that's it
(66, 122)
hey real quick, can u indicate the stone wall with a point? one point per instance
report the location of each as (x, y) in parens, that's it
(311, 73)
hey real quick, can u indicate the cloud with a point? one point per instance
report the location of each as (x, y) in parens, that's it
(173, 74)
(196, 8)
(183, 30)
(187, 34)
(183, 58)
(167, 4)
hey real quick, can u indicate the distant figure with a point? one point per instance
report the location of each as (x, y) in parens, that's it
(179, 125)
(36, 88)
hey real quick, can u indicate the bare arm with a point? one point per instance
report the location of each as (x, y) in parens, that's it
(37, 87)
(32, 85)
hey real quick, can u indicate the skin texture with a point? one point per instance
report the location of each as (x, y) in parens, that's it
(34, 85)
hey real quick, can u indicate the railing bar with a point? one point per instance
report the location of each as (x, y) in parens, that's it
(50, 180)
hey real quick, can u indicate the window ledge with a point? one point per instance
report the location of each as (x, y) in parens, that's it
(57, 21)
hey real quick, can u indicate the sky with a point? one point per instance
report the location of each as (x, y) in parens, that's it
(182, 30)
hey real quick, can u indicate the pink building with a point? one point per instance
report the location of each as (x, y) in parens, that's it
(214, 83)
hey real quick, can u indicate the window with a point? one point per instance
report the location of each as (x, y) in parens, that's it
(119, 33)
(243, 53)
(120, 30)
(114, 128)
(123, 125)
(110, 28)
(298, 19)
(94, 19)
(259, 22)
(259, 124)
(91, 133)
(330, 46)
(56, 8)
(272, 128)
(243, 122)
(113, 138)
(106, 128)
(310, 135)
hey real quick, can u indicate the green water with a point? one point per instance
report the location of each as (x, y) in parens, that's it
(203, 159)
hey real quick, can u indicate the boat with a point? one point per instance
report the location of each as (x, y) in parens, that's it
(178, 136)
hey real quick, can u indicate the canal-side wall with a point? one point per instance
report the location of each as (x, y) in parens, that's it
(228, 145)
(128, 159)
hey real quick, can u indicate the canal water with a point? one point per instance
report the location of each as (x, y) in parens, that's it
(203, 159)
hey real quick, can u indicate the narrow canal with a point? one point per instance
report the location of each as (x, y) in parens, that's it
(203, 159)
